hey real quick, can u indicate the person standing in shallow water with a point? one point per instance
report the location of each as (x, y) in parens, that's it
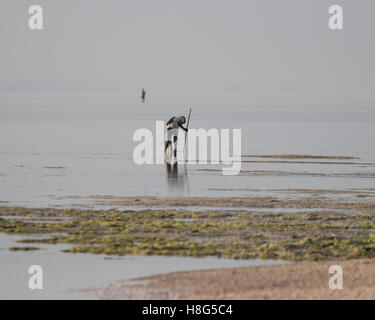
(143, 95)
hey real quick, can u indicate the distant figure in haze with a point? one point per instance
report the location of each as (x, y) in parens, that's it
(172, 131)
(143, 95)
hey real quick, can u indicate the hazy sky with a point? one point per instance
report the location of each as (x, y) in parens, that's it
(237, 48)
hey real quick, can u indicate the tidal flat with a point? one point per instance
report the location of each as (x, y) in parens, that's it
(325, 234)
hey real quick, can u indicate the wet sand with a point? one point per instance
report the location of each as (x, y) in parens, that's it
(294, 281)
(299, 156)
(243, 202)
(280, 173)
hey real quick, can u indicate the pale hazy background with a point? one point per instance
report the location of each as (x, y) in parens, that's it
(69, 106)
(208, 48)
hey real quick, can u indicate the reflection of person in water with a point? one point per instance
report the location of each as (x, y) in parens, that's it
(175, 181)
(172, 172)
(143, 95)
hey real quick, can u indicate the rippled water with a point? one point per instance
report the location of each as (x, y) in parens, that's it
(53, 146)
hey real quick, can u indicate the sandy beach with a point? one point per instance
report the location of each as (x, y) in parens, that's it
(294, 281)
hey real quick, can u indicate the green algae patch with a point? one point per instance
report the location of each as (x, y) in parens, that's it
(307, 236)
(23, 248)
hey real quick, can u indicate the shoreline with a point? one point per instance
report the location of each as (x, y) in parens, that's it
(281, 282)
(340, 231)
(311, 199)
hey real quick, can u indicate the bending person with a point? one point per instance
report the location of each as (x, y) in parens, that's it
(173, 125)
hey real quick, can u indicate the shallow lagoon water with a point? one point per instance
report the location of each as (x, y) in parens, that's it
(52, 146)
(55, 146)
(66, 275)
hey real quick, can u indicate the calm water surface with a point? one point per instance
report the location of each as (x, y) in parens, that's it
(53, 146)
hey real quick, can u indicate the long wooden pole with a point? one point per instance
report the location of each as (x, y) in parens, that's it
(187, 127)
(186, 174)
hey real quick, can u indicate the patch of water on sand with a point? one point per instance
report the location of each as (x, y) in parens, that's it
(66, 274)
